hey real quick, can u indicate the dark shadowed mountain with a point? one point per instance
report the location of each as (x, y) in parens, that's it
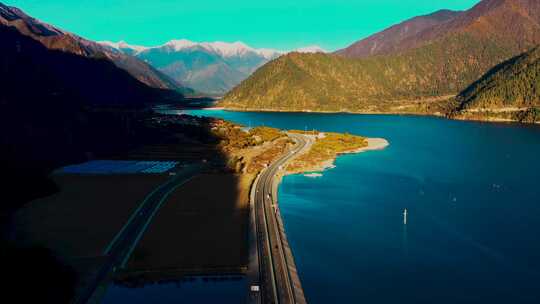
(439, 60)
(389, 40)
(59, 107)
(57, 39)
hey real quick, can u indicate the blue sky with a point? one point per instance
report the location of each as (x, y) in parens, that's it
(280, 24)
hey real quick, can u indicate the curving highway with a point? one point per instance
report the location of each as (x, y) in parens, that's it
(278, 280)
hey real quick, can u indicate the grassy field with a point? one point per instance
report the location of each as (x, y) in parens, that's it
(233, 136)
(325, 148)
(248, 151)
(202, 228)
(85, 215)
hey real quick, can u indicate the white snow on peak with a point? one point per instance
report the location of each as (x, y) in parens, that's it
(224, 49)
(179, 44)
(269, 53)
(123, 45)
(311, 49)
(239, 49)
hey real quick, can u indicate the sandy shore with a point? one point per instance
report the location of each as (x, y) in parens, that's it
(373, 144)
(213, 108)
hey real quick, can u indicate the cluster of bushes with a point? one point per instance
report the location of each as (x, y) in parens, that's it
(328, 147)
(234, 136)
(531, 115)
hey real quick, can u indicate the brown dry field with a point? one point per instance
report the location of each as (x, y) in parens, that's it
(86, 214)
(201, 228)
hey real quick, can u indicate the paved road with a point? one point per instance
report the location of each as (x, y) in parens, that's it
(278, 279)
(125, 241)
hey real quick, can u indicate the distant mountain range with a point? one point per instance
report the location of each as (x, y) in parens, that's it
(208, 67)
(57, 39)
(187, 67)
(402, 69)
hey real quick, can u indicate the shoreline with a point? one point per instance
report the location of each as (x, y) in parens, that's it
(254, 270)
(278, 268)
(327, 112)
(373, 145)
(495, 120)
(436, 114)
(213, 109)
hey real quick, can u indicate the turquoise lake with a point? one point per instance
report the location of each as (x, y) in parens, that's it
(472, 191)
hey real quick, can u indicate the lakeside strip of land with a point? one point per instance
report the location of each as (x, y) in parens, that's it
(315, 151)
(344, 111)
(481, 115)
(372, 144)
(324, 148)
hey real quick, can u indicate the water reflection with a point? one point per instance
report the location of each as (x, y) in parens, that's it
(188, 289)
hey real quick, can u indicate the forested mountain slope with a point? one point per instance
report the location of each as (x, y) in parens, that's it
(511, 90)
(438, 61)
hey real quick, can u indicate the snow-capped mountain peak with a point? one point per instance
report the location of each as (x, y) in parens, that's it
(226, 49)
(238, 48)
(123, 45)
(223, 49)
(269, 53)
(311, 49)
(220, 48)
(179, 44)
(210, 67)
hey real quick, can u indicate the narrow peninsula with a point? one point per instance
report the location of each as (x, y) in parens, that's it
(326, 147)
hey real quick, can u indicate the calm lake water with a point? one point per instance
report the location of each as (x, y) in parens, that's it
(226, 290)
(472, 191)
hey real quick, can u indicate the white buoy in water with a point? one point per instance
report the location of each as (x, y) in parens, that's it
(405, 216)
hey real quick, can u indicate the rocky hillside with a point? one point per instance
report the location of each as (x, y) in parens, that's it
(511, 90)
(439, 60)
(389, 40)
(57, 39)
